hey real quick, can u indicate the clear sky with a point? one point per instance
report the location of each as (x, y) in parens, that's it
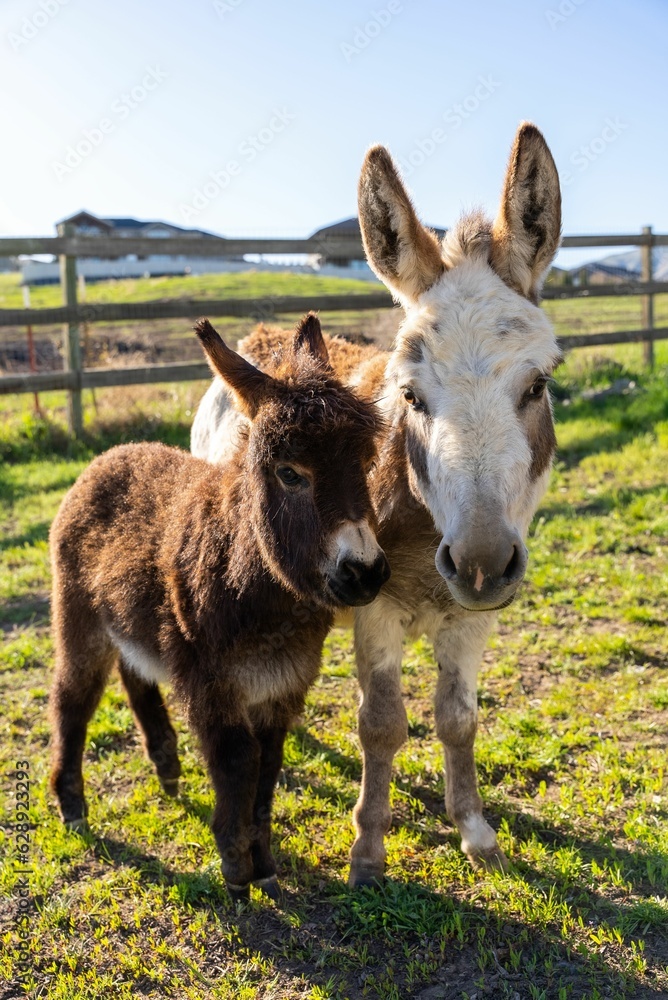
(128, 107)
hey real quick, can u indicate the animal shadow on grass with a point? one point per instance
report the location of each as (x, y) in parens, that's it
(311, 746)
(312, 750)
(322, 930)
(645, 872)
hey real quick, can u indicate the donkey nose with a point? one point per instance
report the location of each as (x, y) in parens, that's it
(357, 582)
(483, 576)
(503, 561)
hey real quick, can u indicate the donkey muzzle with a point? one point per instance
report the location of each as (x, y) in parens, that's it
(483, 575)
(356, 583)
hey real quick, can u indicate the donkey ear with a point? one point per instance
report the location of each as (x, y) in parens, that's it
(527, 230)
(401, 251)
(250, 385)
(308, 337)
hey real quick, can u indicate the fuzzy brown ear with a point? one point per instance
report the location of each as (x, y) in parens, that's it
(400, 250)
(250, 385)
(308, 337)
(527, 230)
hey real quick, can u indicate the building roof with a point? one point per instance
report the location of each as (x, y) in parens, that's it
(351, 227)
(347, 227)
(84, 217)
(111, 223)
(126, 223)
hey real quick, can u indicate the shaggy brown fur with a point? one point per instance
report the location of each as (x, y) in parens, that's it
(265, 346)
(214, 578)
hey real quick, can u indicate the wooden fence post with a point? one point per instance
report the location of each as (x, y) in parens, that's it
(68, 282)
(647, 300)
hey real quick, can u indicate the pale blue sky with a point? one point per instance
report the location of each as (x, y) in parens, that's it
(298, 76)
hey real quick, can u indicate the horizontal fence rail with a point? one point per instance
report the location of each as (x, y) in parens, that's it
(109, 312)
(97, 378)
(614, 337)
(175, 246)
(186, 371)
(610, 291)
(269, 306)
(218, 246)
(69, 246)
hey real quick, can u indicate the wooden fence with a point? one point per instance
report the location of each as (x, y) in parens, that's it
(68, 247)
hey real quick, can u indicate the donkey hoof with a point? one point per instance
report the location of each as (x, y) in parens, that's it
(490, 860)
(170, 786)
(270, 887)
(77, 825)
(365, 874)
(238, 893)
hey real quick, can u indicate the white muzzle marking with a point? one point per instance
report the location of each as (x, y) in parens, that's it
(353, 541)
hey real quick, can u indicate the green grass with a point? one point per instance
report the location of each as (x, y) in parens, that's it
(571, 755)
(244, 285)
(570, 316)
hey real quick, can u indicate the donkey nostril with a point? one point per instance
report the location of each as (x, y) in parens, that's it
(381, 569)
(511, 570)
(448, 563)
(349, 572)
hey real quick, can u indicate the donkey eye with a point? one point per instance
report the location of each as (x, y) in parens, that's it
(538, 387)
(410, 397)
(290, 477)
(535, 390)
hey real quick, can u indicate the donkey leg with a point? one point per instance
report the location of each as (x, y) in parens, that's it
(383, 727)
(271, 740)
(232, 754)
(153, 721)
(458, 651)
(83, 664)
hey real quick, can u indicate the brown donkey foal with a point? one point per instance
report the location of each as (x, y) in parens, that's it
(223, 580)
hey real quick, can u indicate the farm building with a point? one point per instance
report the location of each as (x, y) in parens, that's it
(36, 272)
(41, 272)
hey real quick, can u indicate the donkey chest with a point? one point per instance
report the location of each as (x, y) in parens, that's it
(275, 675)
(271, 671)
(416, 587)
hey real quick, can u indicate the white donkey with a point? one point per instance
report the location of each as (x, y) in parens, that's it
(462, 467)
